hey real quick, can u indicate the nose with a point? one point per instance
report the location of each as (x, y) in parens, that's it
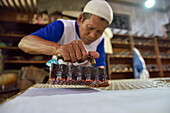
(92, 34)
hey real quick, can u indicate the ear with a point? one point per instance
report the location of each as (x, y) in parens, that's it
(80, 19)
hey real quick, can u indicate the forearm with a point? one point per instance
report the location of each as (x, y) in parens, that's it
(35, 45)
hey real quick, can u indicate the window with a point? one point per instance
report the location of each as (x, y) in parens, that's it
(121, 21)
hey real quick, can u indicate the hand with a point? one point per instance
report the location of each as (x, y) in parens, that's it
(75, 51)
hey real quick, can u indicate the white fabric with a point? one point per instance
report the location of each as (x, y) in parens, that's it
(70, 31)
(127, 101)
(100, 8)
(107, 43)
(145, 73)
(71, 13)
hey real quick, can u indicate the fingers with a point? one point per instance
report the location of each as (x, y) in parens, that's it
(68, 52)
(75, 51)
(83, 50)
(94, 54)
(64, 52)
(72, 53)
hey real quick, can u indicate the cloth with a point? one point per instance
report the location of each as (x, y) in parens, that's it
(64, 32)
(139, 65)
(107, 44)
(96, 7)
(153, 100)
(32, 92)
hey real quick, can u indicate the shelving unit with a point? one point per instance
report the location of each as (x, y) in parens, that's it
(164, 49)
(11, 32)
(14, 58)
(155, 51)
(13, 26)
(120, 64)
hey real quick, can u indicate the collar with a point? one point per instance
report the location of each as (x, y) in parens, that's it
(77, 29)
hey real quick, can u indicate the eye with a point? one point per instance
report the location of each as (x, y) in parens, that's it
(99, 32)
(90, 28)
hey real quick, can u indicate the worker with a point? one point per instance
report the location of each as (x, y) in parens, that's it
(73, 39)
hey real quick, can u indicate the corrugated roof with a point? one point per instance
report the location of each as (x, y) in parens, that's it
(20, 5)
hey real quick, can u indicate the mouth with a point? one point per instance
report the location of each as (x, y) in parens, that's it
(88, 41)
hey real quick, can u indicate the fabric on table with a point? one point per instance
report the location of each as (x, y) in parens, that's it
(153, 100)
(56, 91)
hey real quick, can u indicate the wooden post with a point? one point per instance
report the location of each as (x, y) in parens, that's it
(132, 45)
(158, 60)
(108, 66)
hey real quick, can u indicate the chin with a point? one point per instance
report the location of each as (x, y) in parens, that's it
(87, 43)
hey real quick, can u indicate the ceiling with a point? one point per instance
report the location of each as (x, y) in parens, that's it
(31, 5)
(20, 5)
(159, 4)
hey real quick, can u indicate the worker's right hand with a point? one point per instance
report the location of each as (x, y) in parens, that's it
(74, 51)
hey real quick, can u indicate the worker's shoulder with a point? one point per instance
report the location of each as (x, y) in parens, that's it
(62, 23)
(66, 21)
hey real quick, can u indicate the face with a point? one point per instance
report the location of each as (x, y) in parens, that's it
(91, 29)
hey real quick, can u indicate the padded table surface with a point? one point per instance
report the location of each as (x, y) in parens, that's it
(122, 96)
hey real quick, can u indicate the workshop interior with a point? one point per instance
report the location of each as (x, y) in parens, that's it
(136, 53)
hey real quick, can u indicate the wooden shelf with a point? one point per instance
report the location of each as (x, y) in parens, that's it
(10, 48)
(122, 76)
(166, 70)
(121, 42)
(142, 37)
(165, 58)
(147, 46)
(24, 62)
(164, 39)
(122, 71)
(22, 22)
(121, 45)
(20, 27)
(120, 56)
(120, 35)
(150, 57)
(153, 70)
(164, 47)
(12, 35)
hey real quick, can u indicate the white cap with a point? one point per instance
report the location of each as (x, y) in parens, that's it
(99, 8)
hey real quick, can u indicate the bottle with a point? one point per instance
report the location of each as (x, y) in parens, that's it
(96, 76)
(78, 75)
(87, 75)
(103, 74)
(52, 66)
